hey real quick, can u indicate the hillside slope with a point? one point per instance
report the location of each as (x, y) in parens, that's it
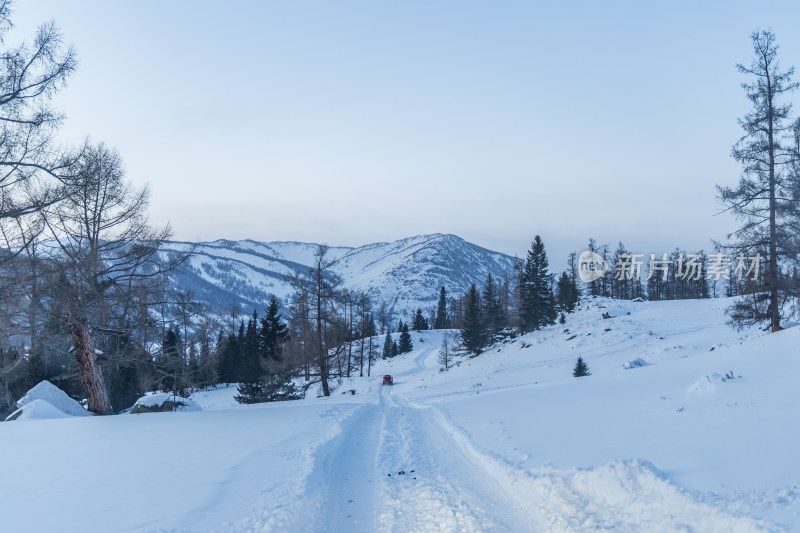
(684, 425)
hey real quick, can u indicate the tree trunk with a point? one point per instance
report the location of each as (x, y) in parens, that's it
(774, 311)
(323, 355)
(369, 358)
(90, 371)
(361, 359)
(323, 374)
(350, 344)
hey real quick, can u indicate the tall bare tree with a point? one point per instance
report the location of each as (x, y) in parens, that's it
(765, 199)
(320, 289)
(105, 252)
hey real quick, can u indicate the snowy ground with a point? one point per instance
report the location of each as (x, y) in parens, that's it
(508, 441)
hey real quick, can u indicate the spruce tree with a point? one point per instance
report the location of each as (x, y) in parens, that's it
(387, 346)
(405, 345)
(622, 274)
(280, 387)
(566, 293)
(581, 369)
(251, 367)
(441, 311)
(537, 303)
(594, 286)
(395, 349)
(228, 350)
(494, 314)
(276, 387)
(250, 392)
(270, 379)
(473, 331)
(273, 333)
(420, 322)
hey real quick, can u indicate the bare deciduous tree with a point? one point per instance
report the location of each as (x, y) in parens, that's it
(105, 251)
(319, 288)
(765, 199)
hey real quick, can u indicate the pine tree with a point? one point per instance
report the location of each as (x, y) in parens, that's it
(250, 392)
(420, 322)
(581, 369)
(277, 387)
(251, 367)
(493, 312)
(404, 345)
(387, 346)
(441, 311)
(605, 281)
(273, 333)
(595, 288)
(566, 293)
(269, 378)
(395, 349)
(473, 331)
(622, 274)
(280, 387)
(227, 358)
(537, 304)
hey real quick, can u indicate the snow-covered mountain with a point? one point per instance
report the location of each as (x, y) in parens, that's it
(406, 274)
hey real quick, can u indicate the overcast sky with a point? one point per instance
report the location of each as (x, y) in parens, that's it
(354, 122)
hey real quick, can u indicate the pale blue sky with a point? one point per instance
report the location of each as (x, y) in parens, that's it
(352, 122)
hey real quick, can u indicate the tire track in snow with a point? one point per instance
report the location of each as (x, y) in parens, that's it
(440, 489)
(340, 489)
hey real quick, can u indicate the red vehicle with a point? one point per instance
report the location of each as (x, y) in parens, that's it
(388, 380)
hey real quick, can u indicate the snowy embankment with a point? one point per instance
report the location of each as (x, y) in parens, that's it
(684, 425)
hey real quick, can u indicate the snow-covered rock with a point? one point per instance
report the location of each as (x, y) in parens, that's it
(36, 410)
(56, 397)
(635, 363)
(161, 402)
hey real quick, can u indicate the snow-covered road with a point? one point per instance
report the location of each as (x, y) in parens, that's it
(395, 467)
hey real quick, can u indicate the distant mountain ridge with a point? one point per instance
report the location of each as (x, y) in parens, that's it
(407, 274)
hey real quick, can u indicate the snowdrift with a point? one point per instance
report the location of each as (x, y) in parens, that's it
(45, 400)
(36, 410)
